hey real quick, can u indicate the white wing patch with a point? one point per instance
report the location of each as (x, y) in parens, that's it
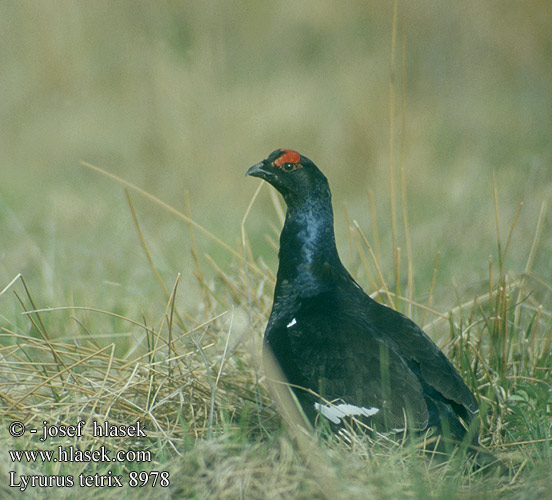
(291, 323)
(334, 413)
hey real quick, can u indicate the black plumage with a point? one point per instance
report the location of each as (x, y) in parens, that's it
(346, 354)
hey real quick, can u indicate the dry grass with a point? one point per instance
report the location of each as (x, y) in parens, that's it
(199, 390)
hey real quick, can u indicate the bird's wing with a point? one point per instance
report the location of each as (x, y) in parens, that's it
(415, 346)
(335, 355)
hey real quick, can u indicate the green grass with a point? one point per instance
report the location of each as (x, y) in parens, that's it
(151, 305)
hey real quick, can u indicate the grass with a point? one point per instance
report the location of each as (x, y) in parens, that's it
(193, 380)
(125, 298)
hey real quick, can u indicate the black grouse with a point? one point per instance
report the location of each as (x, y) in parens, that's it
(345, 354)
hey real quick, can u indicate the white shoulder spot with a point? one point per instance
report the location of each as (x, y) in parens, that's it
(291, 323)
(334, 413)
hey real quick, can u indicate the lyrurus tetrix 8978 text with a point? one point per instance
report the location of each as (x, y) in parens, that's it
(345, 354)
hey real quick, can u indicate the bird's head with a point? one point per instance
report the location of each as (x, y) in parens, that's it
(295, 176)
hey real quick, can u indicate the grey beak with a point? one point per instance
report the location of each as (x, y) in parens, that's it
(257, 170)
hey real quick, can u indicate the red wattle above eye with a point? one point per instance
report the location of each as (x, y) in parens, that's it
(288, 157)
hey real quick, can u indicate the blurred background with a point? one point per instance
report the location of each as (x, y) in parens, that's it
(185, 96)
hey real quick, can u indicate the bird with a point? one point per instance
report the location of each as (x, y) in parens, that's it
(346, 356)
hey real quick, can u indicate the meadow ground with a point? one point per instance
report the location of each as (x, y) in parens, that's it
(137, 263)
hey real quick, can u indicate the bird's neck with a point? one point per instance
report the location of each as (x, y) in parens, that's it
(307, 243)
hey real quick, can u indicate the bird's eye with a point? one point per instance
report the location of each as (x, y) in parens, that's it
(288, 167)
